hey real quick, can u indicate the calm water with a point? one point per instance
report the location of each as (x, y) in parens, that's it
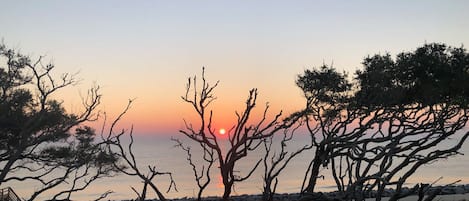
(160, 152)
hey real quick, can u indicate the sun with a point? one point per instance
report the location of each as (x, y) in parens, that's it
(222, 131)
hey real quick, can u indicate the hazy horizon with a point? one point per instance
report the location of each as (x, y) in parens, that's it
(159, 151)
(146, 50)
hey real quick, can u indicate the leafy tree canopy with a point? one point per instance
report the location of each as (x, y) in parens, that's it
(432, 74)
(36, 130)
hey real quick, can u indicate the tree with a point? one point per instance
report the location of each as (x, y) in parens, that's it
(275, 161)
(243, 137)
(202, 177)
(38, 137)
(394, 121)
(326, 93)
(128, 163)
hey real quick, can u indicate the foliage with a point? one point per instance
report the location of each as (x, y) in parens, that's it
(392, 121)
(38, 137)
(430, 75)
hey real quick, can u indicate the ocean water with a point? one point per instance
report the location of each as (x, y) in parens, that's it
(159, 151)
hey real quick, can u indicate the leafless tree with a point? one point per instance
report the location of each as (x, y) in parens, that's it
(389, 154)
(333, 128)
(128, 163)
(202, 177)
(275, 161)
(243, 137)
(39, 140)
(104, 195)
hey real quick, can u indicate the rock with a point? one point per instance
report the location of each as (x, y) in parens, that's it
(459, 190)
(447, 191)
(314, 197)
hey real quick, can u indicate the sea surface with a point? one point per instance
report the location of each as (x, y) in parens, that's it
(160, 151)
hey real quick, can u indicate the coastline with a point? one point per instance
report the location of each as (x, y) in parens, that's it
(448, 193)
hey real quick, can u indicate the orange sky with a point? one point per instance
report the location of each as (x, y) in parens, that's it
(164, 113)
(148, 50)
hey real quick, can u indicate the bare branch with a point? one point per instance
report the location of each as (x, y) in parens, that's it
(243, 137)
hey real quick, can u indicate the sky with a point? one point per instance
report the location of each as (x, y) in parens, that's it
(146, 50)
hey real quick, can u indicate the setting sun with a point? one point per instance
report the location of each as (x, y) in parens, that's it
(204, 93)
(222, 131)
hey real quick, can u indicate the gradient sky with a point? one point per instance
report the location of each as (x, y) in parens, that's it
(147, 49)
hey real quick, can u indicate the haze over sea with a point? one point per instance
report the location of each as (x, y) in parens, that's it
(160, 151)
(147, 49)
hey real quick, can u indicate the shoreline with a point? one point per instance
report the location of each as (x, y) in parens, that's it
(448, 193)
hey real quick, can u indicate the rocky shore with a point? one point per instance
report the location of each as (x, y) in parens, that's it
(442, 190)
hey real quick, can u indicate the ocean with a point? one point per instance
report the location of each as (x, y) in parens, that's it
(160, 151)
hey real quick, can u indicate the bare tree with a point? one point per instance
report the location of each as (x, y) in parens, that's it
(38, 138)
(389, 155)
(128, 163)
(202, 177)
(275, 161)
(243, 137)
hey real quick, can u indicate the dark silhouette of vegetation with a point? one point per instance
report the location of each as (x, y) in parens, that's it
(202, 177)
(373, 132)
(398, 115)
(128, 164)
(275, 161)
(40, 141)
(242, 138)
(325, 90)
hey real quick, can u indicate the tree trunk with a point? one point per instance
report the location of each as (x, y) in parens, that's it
(157, 191)
(317, 162)
(267, 190)
(144, 191)
(199, 195)
(227, 191)
(227, 182)
(8, 166)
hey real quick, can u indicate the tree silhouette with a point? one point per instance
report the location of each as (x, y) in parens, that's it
(128, 163)
(38, 137)
(402, 114)
(243, 137)
(325, 91)
(202, 176)
(276, 160)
